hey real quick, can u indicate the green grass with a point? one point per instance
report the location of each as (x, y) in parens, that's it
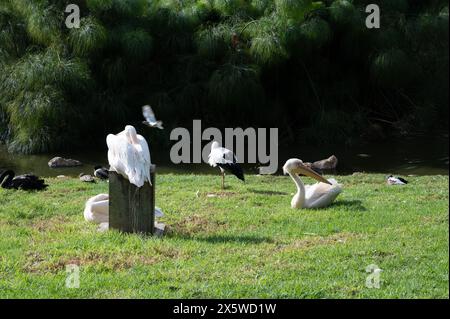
(245, 242)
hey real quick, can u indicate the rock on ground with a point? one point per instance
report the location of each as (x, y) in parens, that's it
(63, 162)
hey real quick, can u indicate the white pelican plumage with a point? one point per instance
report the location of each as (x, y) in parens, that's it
(310, 196)
(226, 161)
(129, 155)
(96, 209)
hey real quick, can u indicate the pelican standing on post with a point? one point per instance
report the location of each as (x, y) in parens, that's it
(310, 196)
(129, 156)
(226, 160)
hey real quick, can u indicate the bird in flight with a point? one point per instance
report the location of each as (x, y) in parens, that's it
(150, 119)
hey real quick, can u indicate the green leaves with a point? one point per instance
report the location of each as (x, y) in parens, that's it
(136, 44)
(235, 85)
(207, 56)
(213, 43)
(89, 38)
(393, 69)
(293, 9)
(44, 25)
(342, 12)
(36, 93)
(128, 8)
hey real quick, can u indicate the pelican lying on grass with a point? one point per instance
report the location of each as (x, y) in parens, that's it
(310, 196)
(225, 159)
(97, 209)
(129, 156)
(25, 182)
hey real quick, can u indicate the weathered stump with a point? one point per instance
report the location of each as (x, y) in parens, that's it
(131, 209)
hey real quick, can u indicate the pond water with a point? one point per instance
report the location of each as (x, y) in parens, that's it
(422, 156)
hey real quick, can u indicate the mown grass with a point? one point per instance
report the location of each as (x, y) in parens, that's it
(244, 242)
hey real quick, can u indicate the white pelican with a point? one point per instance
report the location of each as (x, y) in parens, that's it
(129, 155)
(226, 160)
(97, 209)
(310, 196)
(150, 118)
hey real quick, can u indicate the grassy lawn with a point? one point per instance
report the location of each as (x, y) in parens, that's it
(243, 242)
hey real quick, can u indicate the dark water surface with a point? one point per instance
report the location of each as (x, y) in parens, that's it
(425, 156)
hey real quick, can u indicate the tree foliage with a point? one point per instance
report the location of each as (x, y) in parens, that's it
(311, 68)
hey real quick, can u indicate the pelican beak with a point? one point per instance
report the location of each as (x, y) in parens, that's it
(302, 169)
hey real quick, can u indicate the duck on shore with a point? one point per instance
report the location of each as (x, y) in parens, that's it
(8, 180)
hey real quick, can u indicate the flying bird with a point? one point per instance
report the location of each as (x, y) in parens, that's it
(310, 196)
(150, 118)
(24, 182)
(226, 161)
(129, 156)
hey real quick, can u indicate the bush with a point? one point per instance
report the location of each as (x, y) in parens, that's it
(270, 61)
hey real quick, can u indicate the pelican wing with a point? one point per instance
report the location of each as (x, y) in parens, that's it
(120, 154)
(144, 160)
(321, 194)
(97, 209)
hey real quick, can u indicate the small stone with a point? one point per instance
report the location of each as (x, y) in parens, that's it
(159, 229)
(87, 178)
(328, 163)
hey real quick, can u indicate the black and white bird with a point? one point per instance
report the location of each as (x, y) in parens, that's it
(150, 118)
(393, 180)
(25, 182)
(226, 161)
(101, 172)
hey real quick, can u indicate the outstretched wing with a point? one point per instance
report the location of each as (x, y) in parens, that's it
(150, 118)
(148, 114)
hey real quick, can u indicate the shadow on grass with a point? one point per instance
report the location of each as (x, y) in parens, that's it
(351, 205)
(235, 239)
(218, 239)
(264, 192)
